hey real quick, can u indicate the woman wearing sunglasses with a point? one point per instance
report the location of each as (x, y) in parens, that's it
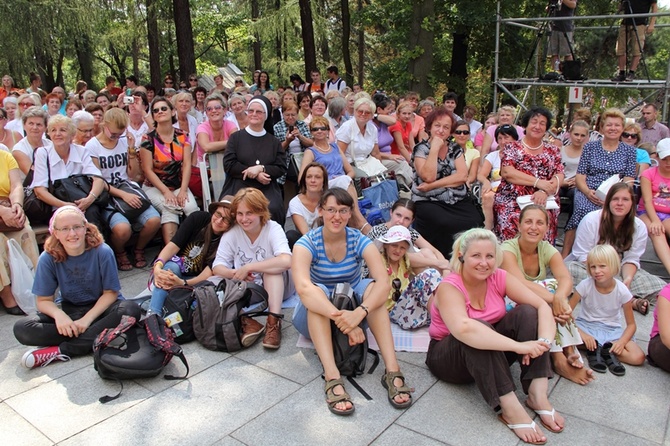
(472, 156)
(165, 157)
(411, 289)
(632, 135)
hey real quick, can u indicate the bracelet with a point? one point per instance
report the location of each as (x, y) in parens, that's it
(558, 187)
(364, 309)
(364, 225)
(545, 340)
(93, 193)
(535, 183)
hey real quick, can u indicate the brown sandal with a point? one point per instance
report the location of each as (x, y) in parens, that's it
(123, 262)
(140, 260)
(387, 381)
(332, 399)
(641, 305)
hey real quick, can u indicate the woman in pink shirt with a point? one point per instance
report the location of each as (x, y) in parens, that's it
(474, 338)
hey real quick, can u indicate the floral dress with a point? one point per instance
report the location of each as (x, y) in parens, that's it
(543, 165)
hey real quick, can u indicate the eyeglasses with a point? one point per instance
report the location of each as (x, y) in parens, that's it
(219, 216)
(395, 283)
(214, 107)
(112, 135)
(364, 112)
(255, 112)
(629, 135)
(333, 211)
(316, 129)
(26, 104)
(239, 82)
(85, 130)
(193, 79)
(75, 228)
(163, 108)
(461, 132)
(169, 82)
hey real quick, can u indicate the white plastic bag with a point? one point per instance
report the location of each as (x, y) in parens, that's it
(525, 200)
(22, 275)
(606, 185)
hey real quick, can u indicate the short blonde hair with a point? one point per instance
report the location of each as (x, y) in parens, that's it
(463, 242)
(365, 101)
(116, 117)
(603, 254)
(179, 96)
(611, 113)
(62, 120)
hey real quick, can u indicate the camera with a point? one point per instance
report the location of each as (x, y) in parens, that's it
(127, 100)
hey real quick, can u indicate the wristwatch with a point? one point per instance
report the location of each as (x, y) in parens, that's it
(545, 340)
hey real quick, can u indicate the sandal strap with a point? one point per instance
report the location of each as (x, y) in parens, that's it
(331, 397)
(389, 377)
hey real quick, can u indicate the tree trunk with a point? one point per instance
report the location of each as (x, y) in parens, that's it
(84, 51)
(422, 40)
(307, 36)
(459, 68)
(184, 33)
(255, 14)
(361, 49)
(152, 41)
(346, 36)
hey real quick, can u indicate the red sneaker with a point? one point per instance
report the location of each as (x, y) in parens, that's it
(41, 357)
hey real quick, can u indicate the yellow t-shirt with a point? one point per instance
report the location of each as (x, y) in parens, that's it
(403, 274)
(471, 154)
(7, 163)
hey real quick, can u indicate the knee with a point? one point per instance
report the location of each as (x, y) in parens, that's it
(527, 313)
(154, 223)
(122, 231)
(21, 329)
(129, 308)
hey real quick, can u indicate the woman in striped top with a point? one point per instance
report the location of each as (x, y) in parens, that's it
(324, 257)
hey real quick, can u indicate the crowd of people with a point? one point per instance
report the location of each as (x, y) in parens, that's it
(469, 250)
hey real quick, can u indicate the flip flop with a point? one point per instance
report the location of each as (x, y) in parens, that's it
(551, 413)
(513, 427)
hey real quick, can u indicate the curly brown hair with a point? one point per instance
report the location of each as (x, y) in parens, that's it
(55, 249)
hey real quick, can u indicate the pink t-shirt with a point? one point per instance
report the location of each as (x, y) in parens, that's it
(660, 190)
(206, 127)
(494, 304)
(665, 294)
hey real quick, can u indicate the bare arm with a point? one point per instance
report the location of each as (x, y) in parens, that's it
(210, 146)
(23, 161)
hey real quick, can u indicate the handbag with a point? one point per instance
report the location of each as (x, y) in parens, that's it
(37, 211)
(382, 194)
(119, 205)
(22, 274)
(75, 187)
(371, 166)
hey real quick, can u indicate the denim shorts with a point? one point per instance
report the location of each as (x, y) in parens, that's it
(300, 311)
(138, 224)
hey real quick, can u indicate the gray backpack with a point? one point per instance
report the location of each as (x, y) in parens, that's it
(216, 319)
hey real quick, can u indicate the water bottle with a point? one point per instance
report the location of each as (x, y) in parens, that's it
(557, 65)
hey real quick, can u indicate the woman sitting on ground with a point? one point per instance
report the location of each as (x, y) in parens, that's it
(303, 208)
(474, 339)
(617, 225)
(324, 257)
(412, 289)
(78, 263)
(395, 162)
(256, 249)
(187, 259)
(659, 342)
(529, 258)
(116, 157)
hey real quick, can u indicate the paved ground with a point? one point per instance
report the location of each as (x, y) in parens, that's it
(257, 397)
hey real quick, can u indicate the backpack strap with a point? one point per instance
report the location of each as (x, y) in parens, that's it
(163, 339)
(109, 334)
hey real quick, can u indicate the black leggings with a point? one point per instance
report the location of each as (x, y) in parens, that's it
(41, 330)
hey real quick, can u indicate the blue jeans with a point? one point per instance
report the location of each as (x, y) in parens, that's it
(158, 295)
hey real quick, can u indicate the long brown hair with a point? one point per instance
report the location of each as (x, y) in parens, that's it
(93, 239)
(620, 238)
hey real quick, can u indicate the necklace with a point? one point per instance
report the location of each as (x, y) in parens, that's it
(322, 150)
(523, 141)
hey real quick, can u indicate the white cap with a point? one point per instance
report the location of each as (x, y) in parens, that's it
(397, 234)
(663, 148)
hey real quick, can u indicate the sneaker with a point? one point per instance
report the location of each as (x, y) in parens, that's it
(272, 337)
(42, 357)
(630, 77)
(621, 77)
(251, 331)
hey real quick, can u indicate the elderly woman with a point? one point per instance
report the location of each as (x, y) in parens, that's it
(53, 104)
(13, 225)
(254, 158)
(35, 122)
(7, 87)
(443, 204)
(97, 111)
(78, 264)
(10, 105)
(616, 224)
(529, 258)
(86, 125)
(506, 115)
(213, 133)
(165, 157)
(358, 138)
(73, 105)
(238, 105)
(474, 339)
(336, 109)
(333, 254)
(23, 103)
(632, 135)
(425, 108)
(532, 167)
(63, 159)
(599, 161)
(182, 103)
(7, 137)
(318, 108)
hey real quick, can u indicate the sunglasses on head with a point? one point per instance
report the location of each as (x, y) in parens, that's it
(395, 283)
(461, 132)
(161, 109)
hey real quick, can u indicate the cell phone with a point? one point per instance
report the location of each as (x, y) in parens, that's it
(127, 100)
(291, 128)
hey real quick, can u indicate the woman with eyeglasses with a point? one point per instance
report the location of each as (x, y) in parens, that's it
(412, 289)
(23, 103)
(632, 135)
(384, 120)
(599, 161)
(165, 157)
(86, 124)
(78, 264)
(254, 158)
(98, 112)
(114, 152)
(529, 167)
(213, 133)
(187, 259)
(358, 138)
(35, 123)
(330, 255)
(63, 159)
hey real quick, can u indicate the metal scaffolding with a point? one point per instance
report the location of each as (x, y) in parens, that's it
(506, 85)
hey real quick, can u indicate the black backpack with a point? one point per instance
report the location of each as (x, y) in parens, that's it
(216, 319)
(135, 350)
(180, 303)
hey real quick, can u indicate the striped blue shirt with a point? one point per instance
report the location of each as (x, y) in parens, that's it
(327, 273)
